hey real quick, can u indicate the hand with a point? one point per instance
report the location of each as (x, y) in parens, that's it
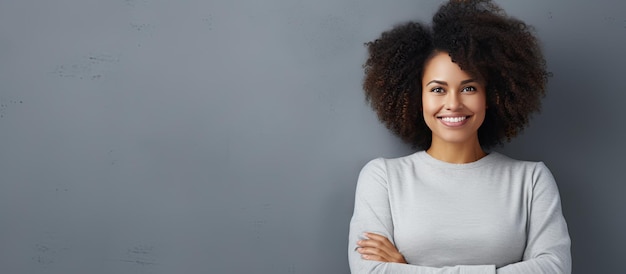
(379, 248)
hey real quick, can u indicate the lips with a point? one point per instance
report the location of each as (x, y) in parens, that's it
(453, 121)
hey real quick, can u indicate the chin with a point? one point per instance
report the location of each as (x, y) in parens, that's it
(456, 138)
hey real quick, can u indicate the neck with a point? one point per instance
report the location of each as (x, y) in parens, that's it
(456, 153)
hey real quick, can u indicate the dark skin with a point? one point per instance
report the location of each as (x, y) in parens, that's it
(454, 144)
(378, 248)
(484, 42)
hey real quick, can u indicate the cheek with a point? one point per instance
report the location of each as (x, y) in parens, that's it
(429, 109)
(481, 109)
(428, 105)
(479, 102)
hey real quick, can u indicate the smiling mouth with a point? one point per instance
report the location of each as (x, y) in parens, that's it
(453, 119)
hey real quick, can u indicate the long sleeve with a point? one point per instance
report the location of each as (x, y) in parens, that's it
(372, 214)
(548, 243)
(547, 247)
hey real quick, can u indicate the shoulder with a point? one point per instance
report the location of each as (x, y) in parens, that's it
(504, 160)
(536, 170)
(380, 168)
(381, 164)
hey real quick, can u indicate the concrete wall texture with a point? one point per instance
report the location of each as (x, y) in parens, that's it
(226, 136)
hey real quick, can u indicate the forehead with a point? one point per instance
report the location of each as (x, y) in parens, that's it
(441, 67)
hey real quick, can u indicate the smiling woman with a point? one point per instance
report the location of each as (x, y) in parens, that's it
(455, 89)
(454, 106)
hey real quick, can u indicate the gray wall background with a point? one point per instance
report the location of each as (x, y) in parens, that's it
(226, 136)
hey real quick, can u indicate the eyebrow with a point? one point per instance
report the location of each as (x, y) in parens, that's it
(446, 83)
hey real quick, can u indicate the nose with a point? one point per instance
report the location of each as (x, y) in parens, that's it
(453, 101)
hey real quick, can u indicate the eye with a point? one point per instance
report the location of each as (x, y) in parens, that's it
(469, 89)
(437, 90)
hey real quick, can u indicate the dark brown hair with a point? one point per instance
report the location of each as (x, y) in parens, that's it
(483, 41)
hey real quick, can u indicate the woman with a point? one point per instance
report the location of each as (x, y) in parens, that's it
(455, 89)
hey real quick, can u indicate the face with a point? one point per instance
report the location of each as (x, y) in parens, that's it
(454, 103)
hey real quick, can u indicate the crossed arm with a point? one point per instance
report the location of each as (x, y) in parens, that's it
(376, 247)
(547, 247)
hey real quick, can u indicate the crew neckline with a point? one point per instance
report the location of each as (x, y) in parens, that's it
(490, 157)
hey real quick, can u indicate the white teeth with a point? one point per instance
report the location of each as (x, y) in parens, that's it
(453, 119)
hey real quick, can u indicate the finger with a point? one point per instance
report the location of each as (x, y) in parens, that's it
(374, 258)
(377, 242)
(372, 251)
(381, 255)
(376, 252)
(374, 244)
(380, 238)
(374, 236)
(373, 254)
(370, 243)
(386, 250)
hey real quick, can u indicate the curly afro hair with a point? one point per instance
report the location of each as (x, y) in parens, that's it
(483, 41)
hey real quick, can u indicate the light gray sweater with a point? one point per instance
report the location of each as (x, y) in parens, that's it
(494, 215)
